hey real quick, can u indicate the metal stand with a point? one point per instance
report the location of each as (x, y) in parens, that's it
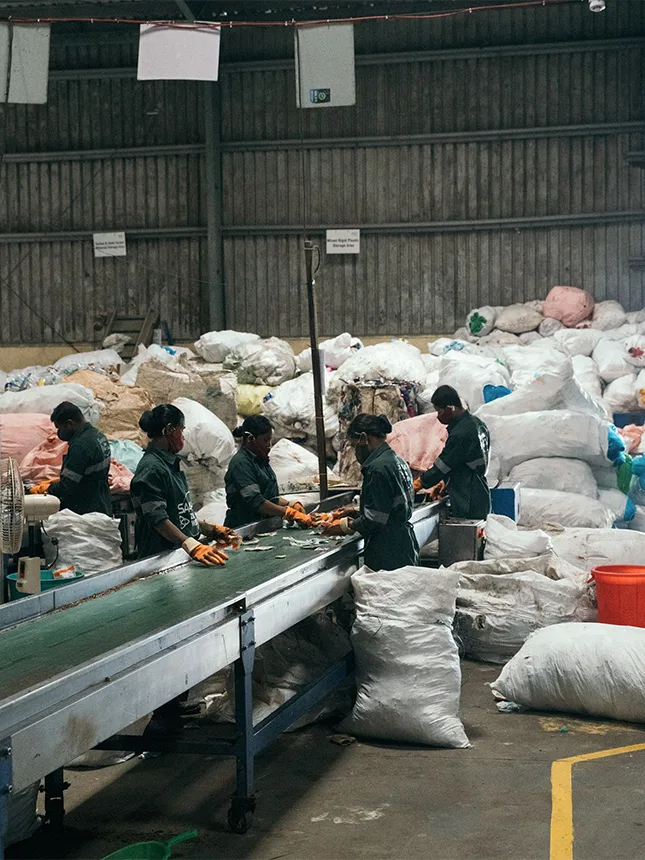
(249, 740)
(5, 791)
(55, 786)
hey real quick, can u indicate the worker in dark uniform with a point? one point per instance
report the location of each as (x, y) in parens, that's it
(251, 484)
(387, 498)
(83, 483)
(165, 515)
(463, 462)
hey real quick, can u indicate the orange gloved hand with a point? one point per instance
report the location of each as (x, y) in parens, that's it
(292, 515)
(298, 506)
(41, 489)
(204, 553)
(223, 536)
(437, 491)
(338, 527)
(417, 486)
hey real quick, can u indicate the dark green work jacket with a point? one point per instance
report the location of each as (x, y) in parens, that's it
(250, 482)
(462, 465)
(159, 492)
(387, 499)
(83, 485)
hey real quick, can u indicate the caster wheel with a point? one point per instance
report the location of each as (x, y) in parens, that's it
(239, 820)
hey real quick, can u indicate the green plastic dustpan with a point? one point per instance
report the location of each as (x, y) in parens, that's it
(151, 850)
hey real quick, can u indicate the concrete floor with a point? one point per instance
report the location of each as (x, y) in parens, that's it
(317, 800)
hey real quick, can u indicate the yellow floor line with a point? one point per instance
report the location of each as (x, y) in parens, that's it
(562, 798)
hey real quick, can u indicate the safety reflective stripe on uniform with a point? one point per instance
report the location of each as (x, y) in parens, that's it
(98, 467)
(148, 507)
(480, 461)
(442, 466)
(250, 490)
(376, 516)
(72, 476)
(402, 499)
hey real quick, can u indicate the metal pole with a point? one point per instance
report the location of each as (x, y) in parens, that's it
(216, 303)
(317, 370)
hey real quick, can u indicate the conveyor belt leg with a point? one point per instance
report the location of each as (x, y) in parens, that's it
(5, 790)
(55, 786)
(240, 815)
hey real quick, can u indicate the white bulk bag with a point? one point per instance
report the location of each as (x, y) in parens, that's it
(538, 508)
(91, 542)
(585, 371)
(621, 394)
(609, 355)
(500, 603)
(577, 341)
(588, 548)
(469, 374)
(44, 398)
(518, 319)
(290, 408)
(295, 467)
(481, 321)
(98, 359)
(207, 440)
(505, 540)
(335, 351)
(549, 326)
(263, 362)
(616, 501)
(556, 473)
(407, 665)
(608, 315)
(166, 355)
(561, 433)
(635, 350)
(594, 669)
(396, 361)
(552, 388)
(214, 346)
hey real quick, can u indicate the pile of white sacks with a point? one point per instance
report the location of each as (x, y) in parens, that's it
(606, 343)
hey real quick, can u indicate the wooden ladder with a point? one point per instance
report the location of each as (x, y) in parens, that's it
(139, 329)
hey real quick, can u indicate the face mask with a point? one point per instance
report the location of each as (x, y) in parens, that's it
(362, 453)
(175, 439)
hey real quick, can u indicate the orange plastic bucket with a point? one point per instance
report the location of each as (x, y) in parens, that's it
(620, 592)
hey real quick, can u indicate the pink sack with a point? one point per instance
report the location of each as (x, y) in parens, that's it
(44, 462)
(631, 436)
(419, 440)
(120, 477)
(20, 433)
(570, 305)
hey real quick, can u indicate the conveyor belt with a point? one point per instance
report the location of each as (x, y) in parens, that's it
(37, 650)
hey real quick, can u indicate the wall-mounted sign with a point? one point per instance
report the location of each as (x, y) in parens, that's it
(343, 241)
(109, 245)
(325, 75)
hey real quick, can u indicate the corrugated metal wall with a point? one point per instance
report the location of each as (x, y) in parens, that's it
(477, 176)
(432, 151)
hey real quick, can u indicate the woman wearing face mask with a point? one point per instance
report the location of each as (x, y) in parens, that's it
(387, 498)
(251, 485)
(165, 515)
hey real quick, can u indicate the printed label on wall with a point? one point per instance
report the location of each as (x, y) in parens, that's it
(343, 241)
(109, 245)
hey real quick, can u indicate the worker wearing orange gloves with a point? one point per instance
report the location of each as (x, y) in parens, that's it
(387, 498)
(83, 483)
(461, 466)
(165, 515)
(251, 484)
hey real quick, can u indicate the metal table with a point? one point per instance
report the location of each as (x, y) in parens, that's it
(80, 663)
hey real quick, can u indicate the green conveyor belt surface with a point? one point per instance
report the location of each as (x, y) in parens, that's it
(41, 648)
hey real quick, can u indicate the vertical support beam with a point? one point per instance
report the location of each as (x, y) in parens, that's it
(240, 815)
(316, 366)
(216, 304)
(5, 790)
(55, 786)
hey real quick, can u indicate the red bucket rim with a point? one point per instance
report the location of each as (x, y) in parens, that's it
(619, 570)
